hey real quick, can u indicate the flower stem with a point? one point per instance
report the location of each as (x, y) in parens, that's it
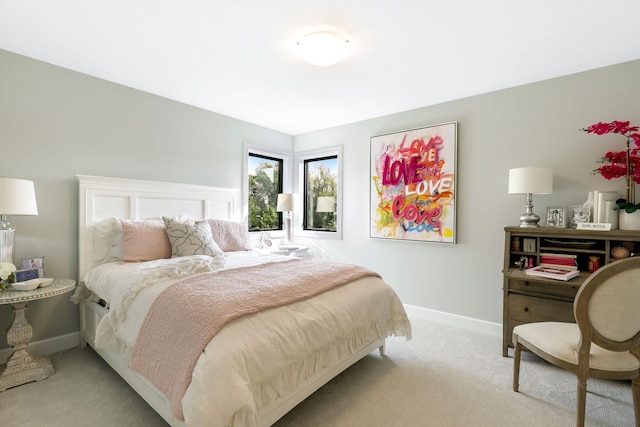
(628, 178)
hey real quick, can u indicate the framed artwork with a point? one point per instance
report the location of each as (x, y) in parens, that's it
(557, 217)
(34, 263)
(413, 184)
(579, 213)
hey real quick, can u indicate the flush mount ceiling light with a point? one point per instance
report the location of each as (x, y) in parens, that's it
(323, 48)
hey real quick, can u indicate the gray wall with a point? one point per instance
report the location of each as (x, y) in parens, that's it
(55, 124)
(532, 125)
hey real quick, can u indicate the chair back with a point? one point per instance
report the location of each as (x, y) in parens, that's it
(607, 306)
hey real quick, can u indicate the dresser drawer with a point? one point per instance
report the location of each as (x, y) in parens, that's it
(527, 309)
(556, 289)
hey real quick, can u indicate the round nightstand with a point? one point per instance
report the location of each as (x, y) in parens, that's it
(22, 367)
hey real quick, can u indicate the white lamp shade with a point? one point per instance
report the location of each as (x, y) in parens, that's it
(17, 197)
(530, 180)
(323, 48)
(285, 202)
(326, 204)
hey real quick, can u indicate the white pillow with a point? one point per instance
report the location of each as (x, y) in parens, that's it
(187, 238)
(230, 235)
(107, 241)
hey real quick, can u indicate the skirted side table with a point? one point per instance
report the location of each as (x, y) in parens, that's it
(22, 367)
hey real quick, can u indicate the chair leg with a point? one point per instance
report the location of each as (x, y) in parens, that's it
(582, 400)
(516, 365)
(635, 389)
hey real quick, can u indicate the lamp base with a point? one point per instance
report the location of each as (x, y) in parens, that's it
(288, 229)
(529, 219)
(7, 237)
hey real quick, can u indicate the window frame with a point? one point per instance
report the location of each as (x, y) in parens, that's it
(285, 178)
(299, 179)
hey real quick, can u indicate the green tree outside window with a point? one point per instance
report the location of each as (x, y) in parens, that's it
(264, 185)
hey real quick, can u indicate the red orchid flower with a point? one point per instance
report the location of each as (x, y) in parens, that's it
(620, 163)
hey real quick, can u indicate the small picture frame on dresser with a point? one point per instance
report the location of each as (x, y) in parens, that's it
(557, 217)
(578, 214)
(34, 263)
(529, 245)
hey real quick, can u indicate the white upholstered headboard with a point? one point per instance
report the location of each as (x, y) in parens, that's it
(103, 197)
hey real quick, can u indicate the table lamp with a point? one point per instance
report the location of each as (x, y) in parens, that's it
(285, 204)
(529, 181)
(17, 197)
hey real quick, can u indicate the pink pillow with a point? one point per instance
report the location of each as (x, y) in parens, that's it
(230, 235)
(144, 240)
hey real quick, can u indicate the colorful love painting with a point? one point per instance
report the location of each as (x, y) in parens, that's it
(413, 184)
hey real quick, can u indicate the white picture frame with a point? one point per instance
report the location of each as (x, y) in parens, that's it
(557, 217)
(413, 193)
(34, 263)
(579, 214)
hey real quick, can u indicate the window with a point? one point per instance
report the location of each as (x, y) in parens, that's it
(320, 189)
(319, 186)
(266, 177)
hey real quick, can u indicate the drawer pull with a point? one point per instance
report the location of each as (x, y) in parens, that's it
(526, 309)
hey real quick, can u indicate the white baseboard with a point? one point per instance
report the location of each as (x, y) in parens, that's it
(48, 346)
(477, 325)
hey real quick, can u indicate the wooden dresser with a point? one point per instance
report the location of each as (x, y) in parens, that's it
(536, 299)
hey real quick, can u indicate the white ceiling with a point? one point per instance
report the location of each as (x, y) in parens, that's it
(235, 57)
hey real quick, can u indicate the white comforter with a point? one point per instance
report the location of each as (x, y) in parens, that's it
(255, 360)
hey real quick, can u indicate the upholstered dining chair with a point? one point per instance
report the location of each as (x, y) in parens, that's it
(605, 341)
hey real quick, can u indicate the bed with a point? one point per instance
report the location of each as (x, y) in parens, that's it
(282, 327)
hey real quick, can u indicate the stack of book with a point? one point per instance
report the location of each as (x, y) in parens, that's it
(567, 261)
(555, 266)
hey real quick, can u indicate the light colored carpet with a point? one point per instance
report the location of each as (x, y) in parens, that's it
(445, 376)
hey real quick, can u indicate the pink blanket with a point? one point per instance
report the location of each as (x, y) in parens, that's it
(188, 314)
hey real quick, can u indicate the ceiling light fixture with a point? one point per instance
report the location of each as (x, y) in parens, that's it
(323, 48)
